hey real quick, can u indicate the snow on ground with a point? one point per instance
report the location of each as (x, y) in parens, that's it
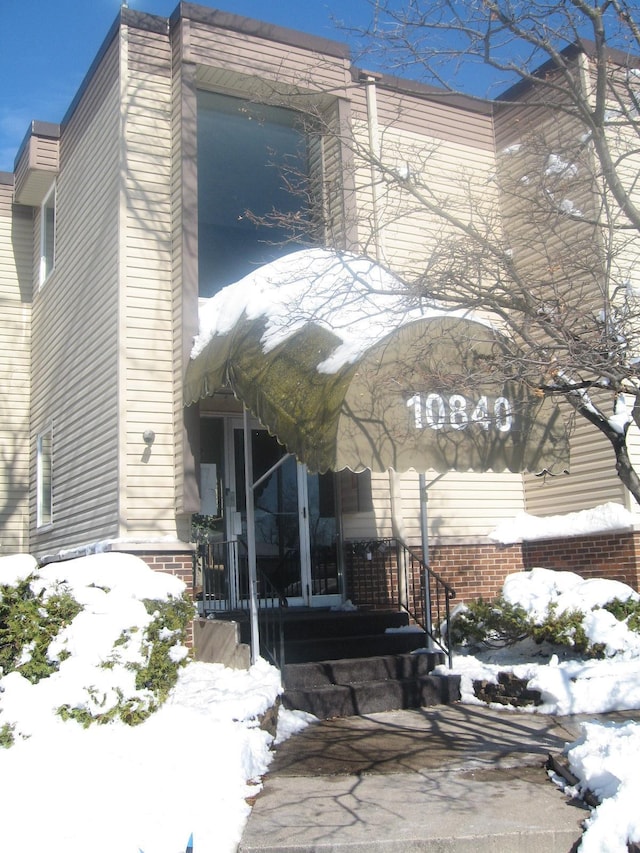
(191, 766)
(119, 789)
(605, 758)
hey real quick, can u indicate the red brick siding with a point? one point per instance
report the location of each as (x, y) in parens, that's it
(476, 570)
(607, 555)
(480, 570)
(178, 564)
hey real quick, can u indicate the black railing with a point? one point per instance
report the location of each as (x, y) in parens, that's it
(212, 575)
(387, 573)
(270, 621)
(380, 573)
(220, 576)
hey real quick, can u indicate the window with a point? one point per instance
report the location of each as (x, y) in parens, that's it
(252, 162)
(44, 495)
(47, 234)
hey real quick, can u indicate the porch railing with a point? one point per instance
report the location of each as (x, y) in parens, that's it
(389, 573)
(380, 573)
(221, 573)
(212, 576)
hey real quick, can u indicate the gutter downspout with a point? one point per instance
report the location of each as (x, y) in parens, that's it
(369, 81)
(395, 488)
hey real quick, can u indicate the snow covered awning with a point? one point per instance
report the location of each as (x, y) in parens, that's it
(324, 350)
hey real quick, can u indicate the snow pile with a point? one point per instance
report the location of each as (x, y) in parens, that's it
(527, 528)
(603, 760)
(541, 590)
(186, 769)
(605, 757)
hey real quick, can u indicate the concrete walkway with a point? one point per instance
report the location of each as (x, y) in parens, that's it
(451, 779)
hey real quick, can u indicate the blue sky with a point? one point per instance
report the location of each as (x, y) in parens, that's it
(48, 46)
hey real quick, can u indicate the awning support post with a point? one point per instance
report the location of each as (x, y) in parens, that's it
(424, 534)
(251, 540)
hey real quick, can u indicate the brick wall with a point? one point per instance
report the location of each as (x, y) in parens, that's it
(479, 570)
(179, 564)
(476, 570)
(607, 555)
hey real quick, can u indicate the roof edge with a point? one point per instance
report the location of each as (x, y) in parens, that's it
(426, 91)
(260, 29)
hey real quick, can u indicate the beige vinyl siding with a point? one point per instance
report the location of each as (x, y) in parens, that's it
(16, 229)
(225, 57)
(147, 493)
(38, 164)
(75, 325)
(633, 444)
(184, 205)
(592, 479)
(434, 118)
(449, 153)
(461, 507)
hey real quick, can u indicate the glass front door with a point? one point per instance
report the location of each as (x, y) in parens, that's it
(295, 522)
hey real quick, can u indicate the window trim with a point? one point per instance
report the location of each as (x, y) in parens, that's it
(44, 491)
(47, 241)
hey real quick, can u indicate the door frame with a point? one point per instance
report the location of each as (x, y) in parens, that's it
(232, 517)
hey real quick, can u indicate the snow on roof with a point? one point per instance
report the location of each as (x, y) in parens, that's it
(350, 296)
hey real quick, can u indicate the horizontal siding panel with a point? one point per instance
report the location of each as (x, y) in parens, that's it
(592, 479)
(461, 507)
(75, 321)
(236, 52)
(149, 372)
(16, 239)
(435, 119)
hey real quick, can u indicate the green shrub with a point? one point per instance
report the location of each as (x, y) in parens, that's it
(28, 624)
(626, 611)
(6, 735)
(498, 623)
(170, 622)
(155, 676)
(490, 623)
(565, 629)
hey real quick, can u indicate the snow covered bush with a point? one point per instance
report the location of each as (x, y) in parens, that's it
(102, 637)
(561, 609)
(28, 623)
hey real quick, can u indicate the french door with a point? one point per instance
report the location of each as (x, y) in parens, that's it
(295, 520)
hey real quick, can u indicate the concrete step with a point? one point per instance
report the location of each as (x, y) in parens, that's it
(310, 624)
(355, 686)
(354, 646)
(350, 671)
(516, 811)
(371, 697)
(449, 779)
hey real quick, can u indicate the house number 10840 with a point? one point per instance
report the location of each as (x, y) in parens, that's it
(435, 411)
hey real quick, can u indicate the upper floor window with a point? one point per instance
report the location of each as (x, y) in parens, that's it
(252, 169)
(47, 234)
(44, 478)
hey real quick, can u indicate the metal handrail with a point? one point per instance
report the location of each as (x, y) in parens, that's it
(399, 577)
(435, 598)
(271, 622)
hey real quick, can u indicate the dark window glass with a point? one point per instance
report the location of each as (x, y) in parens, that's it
(252, 162)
